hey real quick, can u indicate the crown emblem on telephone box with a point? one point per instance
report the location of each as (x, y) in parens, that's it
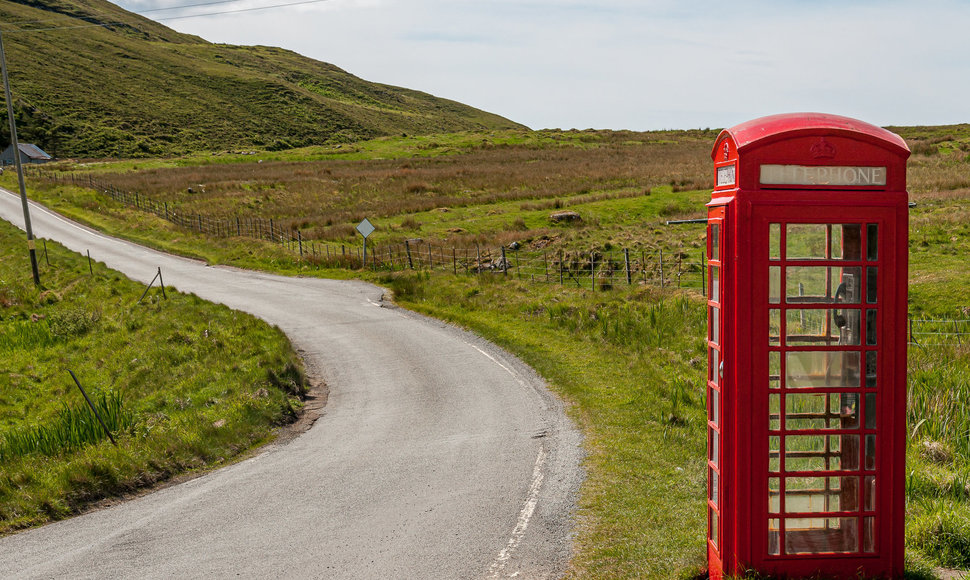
(822, 149)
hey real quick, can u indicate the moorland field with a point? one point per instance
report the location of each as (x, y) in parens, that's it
(628, 359)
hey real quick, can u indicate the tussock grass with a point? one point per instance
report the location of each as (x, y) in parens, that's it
(942, 532)
(23, 335)
(939, 396)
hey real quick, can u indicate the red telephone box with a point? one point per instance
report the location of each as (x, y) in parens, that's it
(807, 242)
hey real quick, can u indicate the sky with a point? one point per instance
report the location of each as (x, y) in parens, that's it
(628, 64)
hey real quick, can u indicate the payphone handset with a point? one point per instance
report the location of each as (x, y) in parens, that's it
(847, 293)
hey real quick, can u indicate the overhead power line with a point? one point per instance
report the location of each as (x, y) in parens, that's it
(96, 13)
(162, 19)
(238, 10)
(183, 6)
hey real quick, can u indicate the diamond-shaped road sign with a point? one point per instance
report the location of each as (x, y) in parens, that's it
(365, 228)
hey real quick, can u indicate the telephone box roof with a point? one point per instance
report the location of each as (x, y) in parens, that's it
(767, 129)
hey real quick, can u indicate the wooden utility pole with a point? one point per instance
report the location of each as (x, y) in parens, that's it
(20, 170)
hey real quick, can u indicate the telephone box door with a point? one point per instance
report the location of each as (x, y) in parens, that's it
(822, 384)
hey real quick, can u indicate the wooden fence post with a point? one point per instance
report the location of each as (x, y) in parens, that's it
(661, 268)
(592, 270)
(626, 259)
(560, 268)
(518, 270)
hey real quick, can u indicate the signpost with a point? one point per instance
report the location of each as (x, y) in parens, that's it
(365, 228)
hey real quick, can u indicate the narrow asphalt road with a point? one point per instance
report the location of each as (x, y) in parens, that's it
(438, 455)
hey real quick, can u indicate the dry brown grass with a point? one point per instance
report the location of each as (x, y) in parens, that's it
(326, 199)
(941, 158)
(321, 196)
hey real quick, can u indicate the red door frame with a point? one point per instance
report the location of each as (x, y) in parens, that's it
(886, 419)
(718, 268)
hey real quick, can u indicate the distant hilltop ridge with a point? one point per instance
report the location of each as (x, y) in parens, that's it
(133, 88)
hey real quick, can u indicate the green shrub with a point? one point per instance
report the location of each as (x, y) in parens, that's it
(73, 322)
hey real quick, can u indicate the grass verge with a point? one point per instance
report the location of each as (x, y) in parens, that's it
(184, 384)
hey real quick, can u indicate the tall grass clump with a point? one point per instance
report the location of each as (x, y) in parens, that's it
(73, 427)
(939, 396)
(24, 334)
(942, 532)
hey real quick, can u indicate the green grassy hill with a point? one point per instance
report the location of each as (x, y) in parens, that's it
(91, 79)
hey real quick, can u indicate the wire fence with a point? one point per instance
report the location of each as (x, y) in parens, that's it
(597, 270)
(236, 226)
(943, 331)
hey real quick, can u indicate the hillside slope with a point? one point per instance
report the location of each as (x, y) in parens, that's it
(91, 79)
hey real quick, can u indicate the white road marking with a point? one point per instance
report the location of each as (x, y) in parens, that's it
(532, 498)
(41, 209)
(524, 516)
(495, 360)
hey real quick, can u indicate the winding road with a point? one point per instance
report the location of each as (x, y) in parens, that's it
(438, 455)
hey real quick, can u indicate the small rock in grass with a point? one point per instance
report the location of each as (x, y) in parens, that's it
(565, 216)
